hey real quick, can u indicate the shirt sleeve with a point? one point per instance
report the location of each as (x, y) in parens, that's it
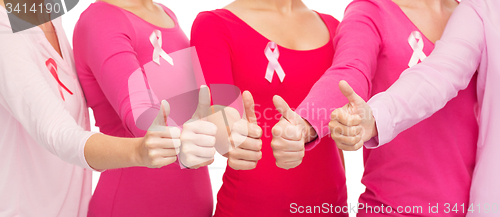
(29, 98)
(212, 41)
(357, 46)
(427, 87)
(104, 40)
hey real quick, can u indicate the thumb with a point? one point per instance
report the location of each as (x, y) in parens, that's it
(161, 118)
(285, 110)
(348, 92)
(204, 108)
(249, 107)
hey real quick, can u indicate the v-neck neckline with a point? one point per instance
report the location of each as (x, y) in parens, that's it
(61, 59)
(262, 36)
(62, 56)
(409, 20)
(44, 41)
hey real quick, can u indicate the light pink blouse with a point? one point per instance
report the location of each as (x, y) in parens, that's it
(43, 171)
(470, 42)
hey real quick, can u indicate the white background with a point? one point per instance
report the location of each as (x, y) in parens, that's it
(186, 11)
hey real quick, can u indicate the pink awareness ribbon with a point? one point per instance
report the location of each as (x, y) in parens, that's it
(156, 41)
(52, 67)
(272, 54)
(417, 44)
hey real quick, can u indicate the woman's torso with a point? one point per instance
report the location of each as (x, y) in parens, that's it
(167, 191)
(268, 190)
(34, 181)
(432, 162)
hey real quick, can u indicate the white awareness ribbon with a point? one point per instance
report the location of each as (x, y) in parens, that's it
(272, 54)
(417, 44)
(158, 52)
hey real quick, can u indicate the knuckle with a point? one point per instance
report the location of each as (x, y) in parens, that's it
(155, 163)
(297, 164)
(151, 134)
(153, 154)
(239, 124)
(259, 144)
(176, 143)
(282, 165)
(334, 115)
(186, 126)
(275, 145)
(233, 164)
(333, 125)
(352, 140)
(237, 139)
(187, 149)
(149, 144)
(213, 128)
(302, 154)
(253, 165)
(276, 131)
(185, 136)
(259, 155)
(278, 156)
(236, 154)
(172, 159)
(231, 157)
(174, 132)
(259, 131)
(191, 159)
(211, 140)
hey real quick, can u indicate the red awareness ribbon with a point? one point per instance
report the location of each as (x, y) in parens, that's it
(52, 66)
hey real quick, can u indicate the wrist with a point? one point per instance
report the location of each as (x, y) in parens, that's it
(137, 152)
(309, 132)
(375, 130)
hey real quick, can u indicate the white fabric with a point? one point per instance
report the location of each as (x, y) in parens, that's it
(43, 171)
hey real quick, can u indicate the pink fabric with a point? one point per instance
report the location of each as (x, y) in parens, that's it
(110, 45)
(43, 171)
(431, 162)
(231, 52)
(470, 43)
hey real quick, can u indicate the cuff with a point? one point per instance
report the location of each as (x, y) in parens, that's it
(383, 122)
(83, 161)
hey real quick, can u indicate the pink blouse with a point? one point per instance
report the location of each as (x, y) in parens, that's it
(232, 52)
(469, 43)
(113, 48)
(429, 163)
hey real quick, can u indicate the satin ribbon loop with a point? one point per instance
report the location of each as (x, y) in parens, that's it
(52, 67)
(417, 44)
(272, 54)
(156, 40)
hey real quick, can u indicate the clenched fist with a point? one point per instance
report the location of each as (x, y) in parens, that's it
(161, 144)
(245, 138)
(289, 136)
(198, 135)
(353, 124)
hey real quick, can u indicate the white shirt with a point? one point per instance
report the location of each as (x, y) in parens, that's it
(43, 171)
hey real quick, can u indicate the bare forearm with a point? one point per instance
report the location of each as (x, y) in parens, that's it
(106, 152)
